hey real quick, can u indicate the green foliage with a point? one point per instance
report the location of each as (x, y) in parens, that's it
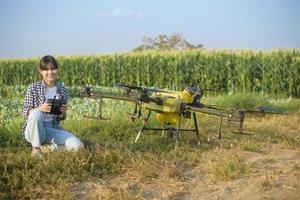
(11, 137)
(251, 100)
(239, 100)
(225, 70)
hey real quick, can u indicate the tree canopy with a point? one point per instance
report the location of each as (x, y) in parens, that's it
(164, 42)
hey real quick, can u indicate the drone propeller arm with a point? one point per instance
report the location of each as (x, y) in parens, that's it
(235, 115)
(98, 95)
(207, 110)
(117, 97)
(86, 92)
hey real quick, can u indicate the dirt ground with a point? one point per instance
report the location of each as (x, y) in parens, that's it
(276, 176)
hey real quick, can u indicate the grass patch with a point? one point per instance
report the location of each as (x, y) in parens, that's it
(25, 177)
(291, 140)
(145, 165)
(250, 145)
(165, 165)
(225, 166)
(267, 134)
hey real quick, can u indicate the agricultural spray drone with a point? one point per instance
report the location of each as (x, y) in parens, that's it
(171, 106)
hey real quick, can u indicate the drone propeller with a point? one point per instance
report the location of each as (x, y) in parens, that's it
(261, 111)
(138, 88)
(256, 113)
(268, 109)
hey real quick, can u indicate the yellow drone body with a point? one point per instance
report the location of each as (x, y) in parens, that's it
(168, 111)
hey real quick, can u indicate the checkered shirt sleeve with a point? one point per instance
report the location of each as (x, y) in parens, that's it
(31, 93)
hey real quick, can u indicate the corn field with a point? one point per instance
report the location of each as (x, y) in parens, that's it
(273, 72)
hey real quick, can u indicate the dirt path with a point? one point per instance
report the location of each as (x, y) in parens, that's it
(276, 176)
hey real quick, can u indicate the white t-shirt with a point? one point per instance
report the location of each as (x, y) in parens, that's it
(50, 93)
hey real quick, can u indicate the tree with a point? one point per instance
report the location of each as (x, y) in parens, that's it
(163, 42)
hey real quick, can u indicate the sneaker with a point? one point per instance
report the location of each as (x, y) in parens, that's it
(48, 148)
(37, 153)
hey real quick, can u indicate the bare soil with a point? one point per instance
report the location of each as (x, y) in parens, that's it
(276, 175)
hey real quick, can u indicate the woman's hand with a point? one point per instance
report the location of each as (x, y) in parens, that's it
(63, 108)
(45, 107)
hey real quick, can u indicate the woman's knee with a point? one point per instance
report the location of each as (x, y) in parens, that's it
(36, 115)
(73, 144)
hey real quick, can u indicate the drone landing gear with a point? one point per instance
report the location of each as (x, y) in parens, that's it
(170, 129)
(241, 129)
(100, 113)
(143, 127)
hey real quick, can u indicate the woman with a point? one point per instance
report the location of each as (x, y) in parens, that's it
(41, 127)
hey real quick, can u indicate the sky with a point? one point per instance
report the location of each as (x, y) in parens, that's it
(34, 28)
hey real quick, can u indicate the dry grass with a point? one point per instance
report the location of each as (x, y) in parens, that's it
(226, 165)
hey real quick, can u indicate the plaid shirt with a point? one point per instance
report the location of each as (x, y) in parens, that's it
(35, 96)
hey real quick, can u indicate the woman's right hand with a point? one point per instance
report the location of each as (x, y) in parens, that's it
(45, 107)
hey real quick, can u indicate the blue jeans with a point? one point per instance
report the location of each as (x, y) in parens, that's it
(39, 132)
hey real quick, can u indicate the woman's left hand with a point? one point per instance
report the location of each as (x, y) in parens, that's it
(63, 108)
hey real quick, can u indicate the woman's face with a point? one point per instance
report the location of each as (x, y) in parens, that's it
(49, 74)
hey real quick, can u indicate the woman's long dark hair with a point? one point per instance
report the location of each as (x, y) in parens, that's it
(48, 62)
